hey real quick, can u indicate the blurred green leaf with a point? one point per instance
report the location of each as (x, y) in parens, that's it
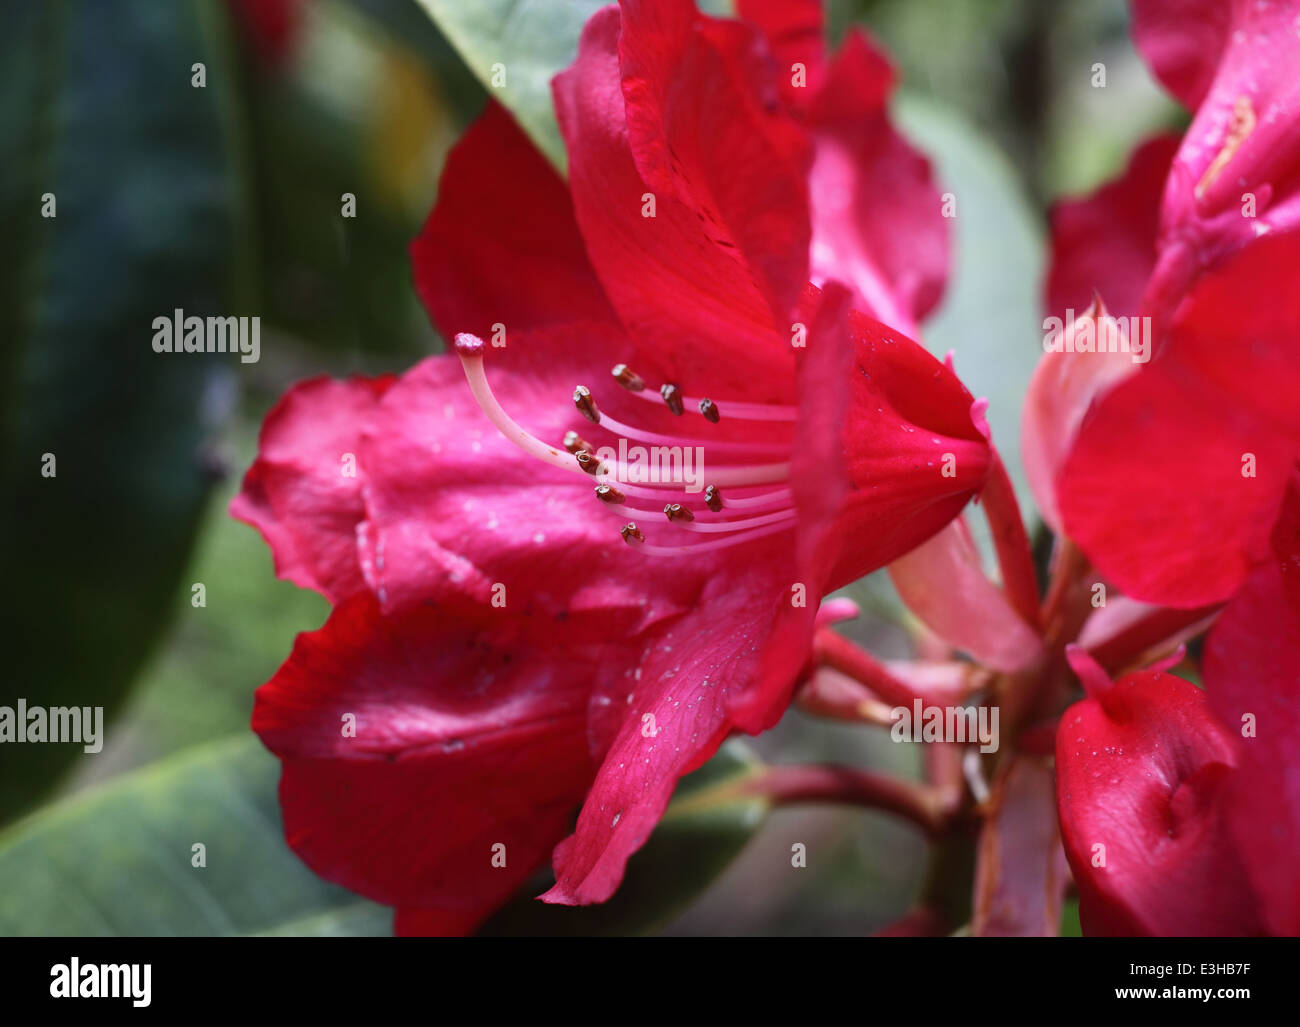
(1083, 143)
(704, 828)
(360, 919)
(118, 860)
(1070, 926)
(368, 109)
(100, 118)
(199, 686)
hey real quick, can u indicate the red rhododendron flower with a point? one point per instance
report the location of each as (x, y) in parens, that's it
(1103, 245)
(1235, 176)
(505, 651)
(1180, 809)
(1176, 476)
(1212, 423)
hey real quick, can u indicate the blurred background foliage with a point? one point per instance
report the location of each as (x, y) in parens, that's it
(227, 199)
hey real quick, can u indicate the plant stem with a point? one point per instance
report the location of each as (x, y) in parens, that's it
(928, 808)
(1011, 541)
(1161, 625)
(834, 650)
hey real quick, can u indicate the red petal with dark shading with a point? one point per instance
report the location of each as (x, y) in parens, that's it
(912, 454)
(878, 223)
(439, 923)
(795, 33)
(669, 57)
(501, 245)
(680, 281)
(1142, 768)
(1107, 241)
(1211, 426)
(672, 714)
(470, 733)
(1252, 674)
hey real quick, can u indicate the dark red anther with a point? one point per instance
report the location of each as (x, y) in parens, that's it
(583, 401)
(575, 443)
(589, 462)
(628, 378)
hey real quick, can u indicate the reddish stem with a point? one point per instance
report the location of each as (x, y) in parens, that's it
(834, 650)
(1069, 566)
(928, 808)
(1011, 541)
(1121, 650)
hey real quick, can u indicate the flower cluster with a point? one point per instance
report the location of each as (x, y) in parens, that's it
(727, 289)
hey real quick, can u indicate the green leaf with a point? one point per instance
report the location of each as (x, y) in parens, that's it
(199, 686)
(362, 918)
(102, 128)
(1070, 926)
(117, 860)
(527, 43)
(704, 828)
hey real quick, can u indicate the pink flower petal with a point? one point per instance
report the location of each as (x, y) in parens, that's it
(943, 582)
(878, 225)
(911, 451)
(669, 57)
(455, 508)
(1236, 173)
(672, 716)
(1064, 387)
(303, 492)
(1182, 40)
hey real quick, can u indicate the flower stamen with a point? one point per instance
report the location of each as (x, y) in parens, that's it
(612, 476)
(628, 378)
(733, 409)
(470, 350)
(585, 404)
(701, 547)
